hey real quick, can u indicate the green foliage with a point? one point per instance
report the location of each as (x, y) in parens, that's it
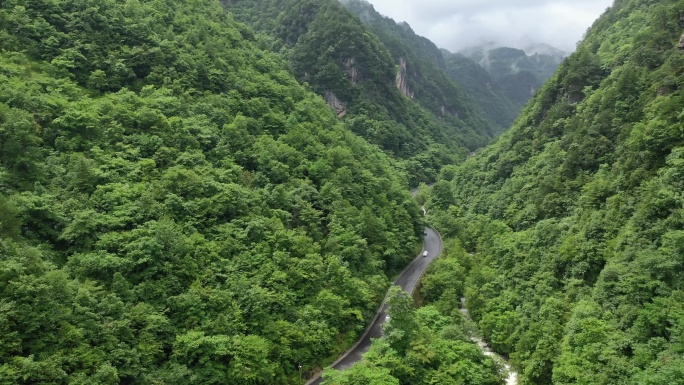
(400, 331)
(420, 347)
(428, 345)
(443, 284)
(442, 195)
(354, 63)
(174, 206)
(477, 82)
(427, 77)
(575, 215)
(10, 225)
(502, 80)
(361, 375)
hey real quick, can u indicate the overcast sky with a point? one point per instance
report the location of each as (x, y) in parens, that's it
(457, 24)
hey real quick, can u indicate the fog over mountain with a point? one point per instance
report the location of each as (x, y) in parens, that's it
(455, 25)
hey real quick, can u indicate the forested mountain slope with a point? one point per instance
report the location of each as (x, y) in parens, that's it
(576, 216)
(436, 75)
(479, 85)
(174, 206)
(505, 62)
(423, 64)
(514, 75)
(385, 88)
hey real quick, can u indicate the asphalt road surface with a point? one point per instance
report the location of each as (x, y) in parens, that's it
(408, 281)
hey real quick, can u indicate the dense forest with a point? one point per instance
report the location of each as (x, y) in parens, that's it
(428, 345)
(487, 93)
(216, 192)
(502, 80)
(381, 78)
(575, 216)
(513, 71)
(175, 207)
(426, 70)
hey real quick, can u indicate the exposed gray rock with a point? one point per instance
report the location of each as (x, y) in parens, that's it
(335, 103)
(352, 71)
(402, 79)
(681, 24)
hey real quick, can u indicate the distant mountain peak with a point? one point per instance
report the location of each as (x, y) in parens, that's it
(529, 49)
(543, 49)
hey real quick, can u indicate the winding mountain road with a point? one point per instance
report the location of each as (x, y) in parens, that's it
(408, 280)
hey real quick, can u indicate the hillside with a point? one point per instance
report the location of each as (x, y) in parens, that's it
(478, 83)
(185, 198)
(175, 207)
(574, 216)
(515, 74)
(380, 79)
(512, 74)
(420, 60)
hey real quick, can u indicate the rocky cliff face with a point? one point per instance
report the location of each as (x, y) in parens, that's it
(444, 111)
(352, 71)
(402, 79)
(335, 103)
(681, 24)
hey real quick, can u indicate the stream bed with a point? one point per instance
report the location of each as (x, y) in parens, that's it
(511, 375)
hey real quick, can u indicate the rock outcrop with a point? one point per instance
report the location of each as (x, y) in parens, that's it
(335, 103)
(402, 79)
(444, 111)
(681, 24)
(352, 71)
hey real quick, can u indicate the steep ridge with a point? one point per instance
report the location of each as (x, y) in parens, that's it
(513, 75)
(477, 82)
(423, 65)
(403, 108)
(575, 215)
(504, 62)
(175, 207)
(444, 82)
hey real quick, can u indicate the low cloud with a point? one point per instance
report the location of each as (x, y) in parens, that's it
(458, 24)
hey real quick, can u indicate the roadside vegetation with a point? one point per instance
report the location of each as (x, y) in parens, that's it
(175, 207)
(574, 217)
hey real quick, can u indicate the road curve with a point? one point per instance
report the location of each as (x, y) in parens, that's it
(408, 280)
